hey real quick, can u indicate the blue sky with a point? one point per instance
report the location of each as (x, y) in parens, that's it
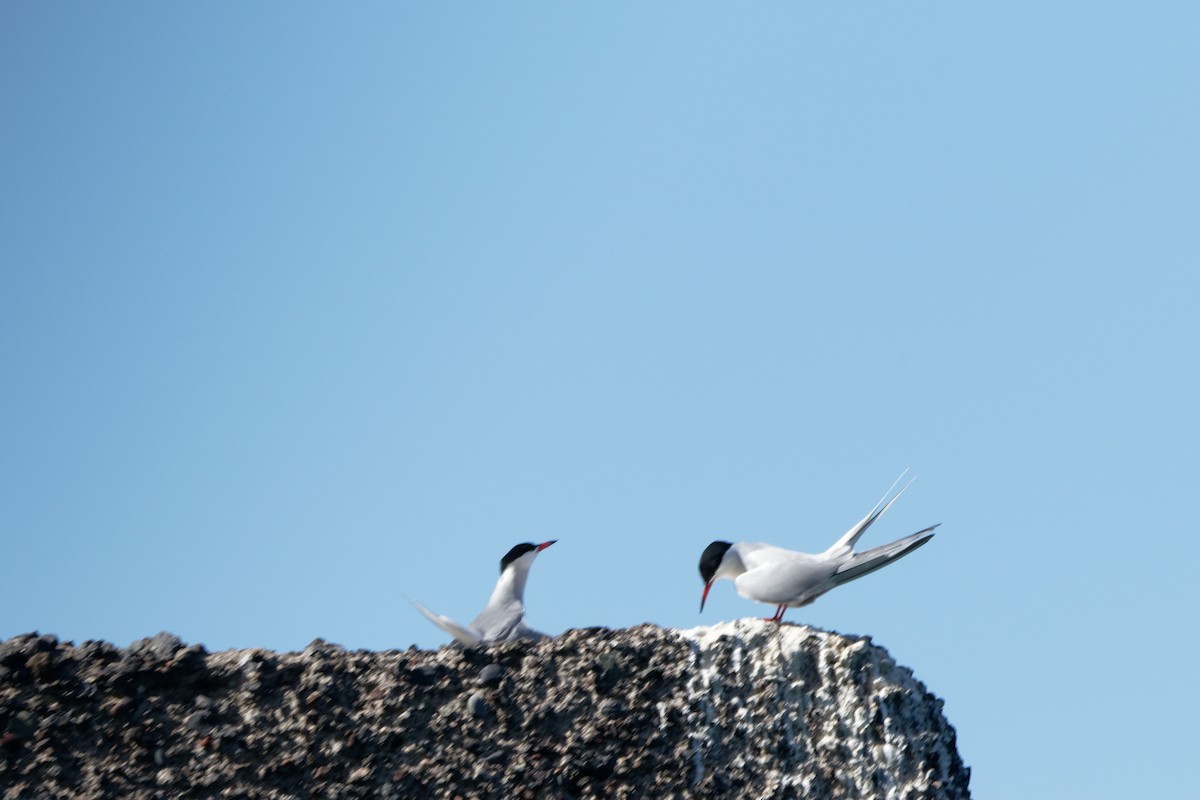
(308, 309)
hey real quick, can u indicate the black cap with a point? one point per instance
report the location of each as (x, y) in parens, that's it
(517, 552)
(710, 559)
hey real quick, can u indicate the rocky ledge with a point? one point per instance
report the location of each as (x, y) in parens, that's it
(743, 709)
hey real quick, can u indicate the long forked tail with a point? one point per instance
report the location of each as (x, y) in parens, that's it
(851, 537)
(870, 560)
(462, 633)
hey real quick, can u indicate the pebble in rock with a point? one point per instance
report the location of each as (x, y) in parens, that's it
(159, 647)
(22, 725)
(491, 675)
(478, 706)
(196, 720)
(424, 675)
(613, 708)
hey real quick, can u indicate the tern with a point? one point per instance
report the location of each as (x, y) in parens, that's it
(503, 620)
(790, 579)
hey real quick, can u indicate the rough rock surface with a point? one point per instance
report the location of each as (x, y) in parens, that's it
(743, 709)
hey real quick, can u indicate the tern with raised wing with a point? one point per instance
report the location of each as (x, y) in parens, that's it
(503, 620)
(790, 579)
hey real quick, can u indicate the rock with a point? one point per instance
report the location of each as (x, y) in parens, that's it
(41, 664)
(97, 650)
(478, 706)
(22, 725)
(491, 675)
(598, 766)
(197, 720)
(118, 706)
(319, 648)
(606, 672)
(17, 650)
(745, 709)
(160, 647)
(613, 709)
(190, 658)
(423, 675)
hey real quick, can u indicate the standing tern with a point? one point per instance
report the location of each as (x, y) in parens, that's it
(503, 620)
(789, 579)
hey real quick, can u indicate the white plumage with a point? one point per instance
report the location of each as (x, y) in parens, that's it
(503, 619)
(790, 579)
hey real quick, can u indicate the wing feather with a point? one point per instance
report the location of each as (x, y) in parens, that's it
(462, 633)
(868, 561)
(851, 537)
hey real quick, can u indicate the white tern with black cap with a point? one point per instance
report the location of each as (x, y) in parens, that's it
(790, 579)
(503, 620)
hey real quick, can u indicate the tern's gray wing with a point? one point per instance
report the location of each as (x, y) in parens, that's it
(464, 634)
(868, 561)
(504, 622)
(523, 631)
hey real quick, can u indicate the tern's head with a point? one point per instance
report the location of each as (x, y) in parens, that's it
(523, 554)
(710, 564)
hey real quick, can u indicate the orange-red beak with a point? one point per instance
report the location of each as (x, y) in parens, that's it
(544, 545)
(704, 596)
